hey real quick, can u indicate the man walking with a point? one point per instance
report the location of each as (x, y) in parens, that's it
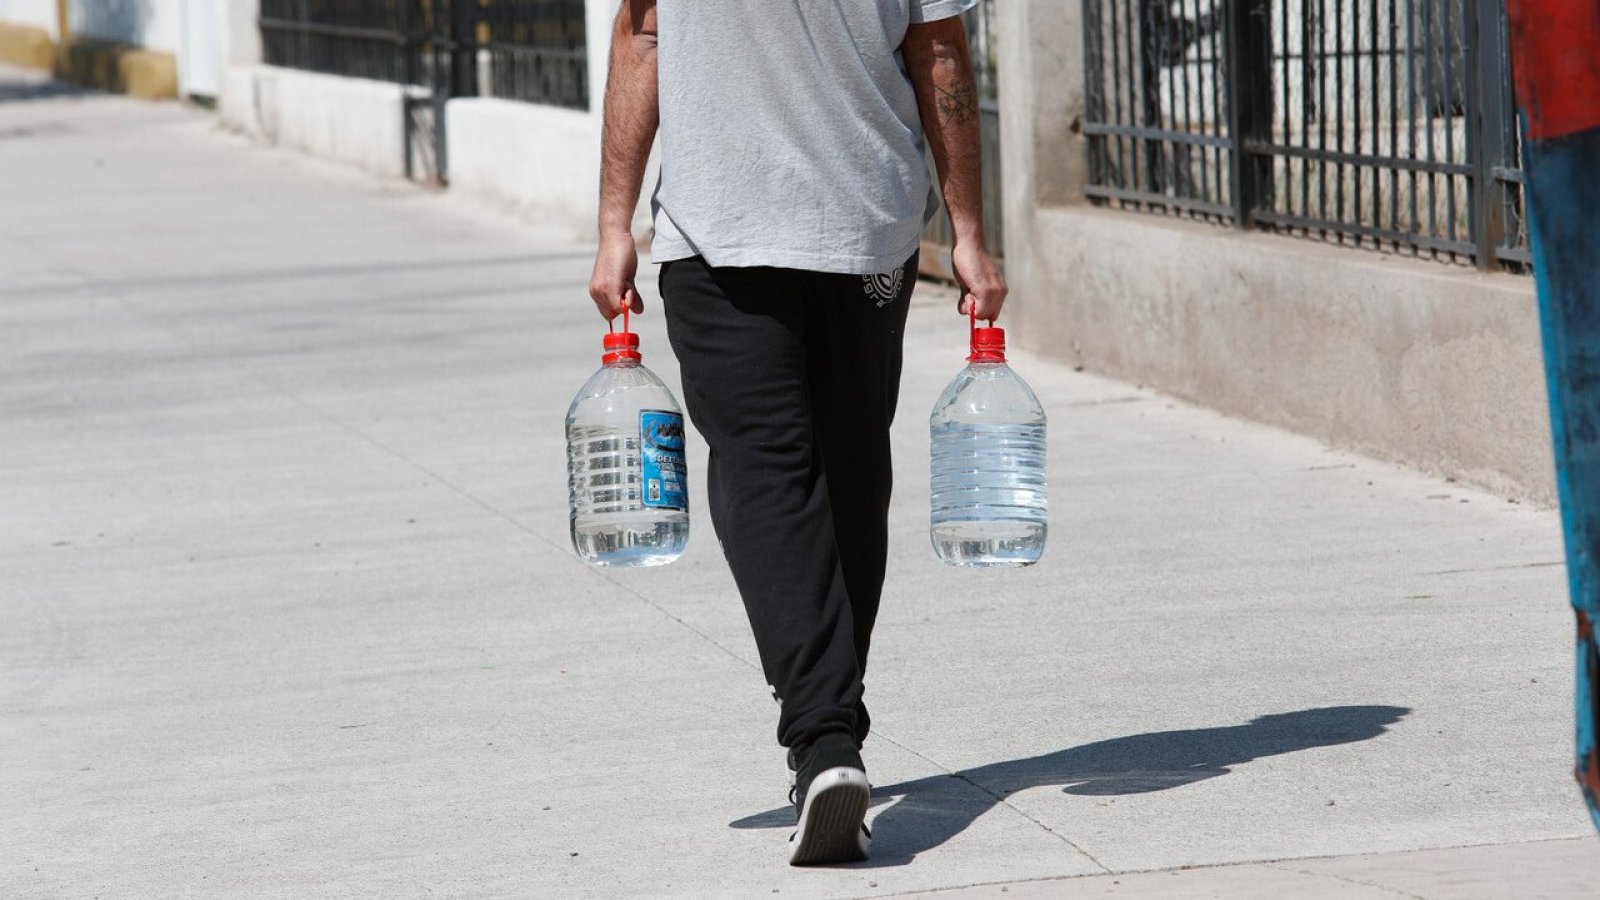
(792, 199)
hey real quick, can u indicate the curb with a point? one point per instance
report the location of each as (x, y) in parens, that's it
(24, 45)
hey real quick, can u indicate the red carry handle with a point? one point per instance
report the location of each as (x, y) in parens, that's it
(611, 326)
(987, 344)
(620, 345)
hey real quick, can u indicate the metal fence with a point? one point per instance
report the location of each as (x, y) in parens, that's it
(530, 50)
(375, 39)
(1379, 123)
(983, 47)
(534, 50)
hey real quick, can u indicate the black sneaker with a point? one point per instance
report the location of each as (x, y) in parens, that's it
(830, 795)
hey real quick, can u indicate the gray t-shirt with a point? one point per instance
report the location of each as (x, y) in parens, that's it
(790, 134)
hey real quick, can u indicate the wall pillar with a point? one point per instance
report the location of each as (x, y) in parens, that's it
(598, 18)
(241, 36)
(1042, 149)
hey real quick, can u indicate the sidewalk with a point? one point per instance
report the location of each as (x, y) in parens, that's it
(288, 608)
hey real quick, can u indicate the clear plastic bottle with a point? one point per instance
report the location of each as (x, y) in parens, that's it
(627, 484)
(988, 486)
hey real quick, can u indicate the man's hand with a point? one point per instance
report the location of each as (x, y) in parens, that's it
(983, 288)
(616, 263)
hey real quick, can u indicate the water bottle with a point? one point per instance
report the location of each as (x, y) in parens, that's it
(988, 485)
(627, 484)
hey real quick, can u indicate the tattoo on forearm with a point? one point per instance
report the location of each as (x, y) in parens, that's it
(958, 104)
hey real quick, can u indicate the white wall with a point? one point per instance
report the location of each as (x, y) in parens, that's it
(351, 120)
(540, 159)
(598, 16)
(33, 13)
(214, 35)
(525, 154)
(241, 38)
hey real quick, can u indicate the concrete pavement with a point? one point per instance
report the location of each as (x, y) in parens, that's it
(288, 608)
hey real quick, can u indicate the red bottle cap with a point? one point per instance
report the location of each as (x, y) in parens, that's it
(988, 345)
(621, 345)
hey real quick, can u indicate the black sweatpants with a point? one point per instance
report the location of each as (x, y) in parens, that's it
(792, 377)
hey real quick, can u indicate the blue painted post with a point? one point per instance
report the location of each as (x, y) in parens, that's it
(1557, 72)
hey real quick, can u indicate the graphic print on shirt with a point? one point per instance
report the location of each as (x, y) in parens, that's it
(884, 288)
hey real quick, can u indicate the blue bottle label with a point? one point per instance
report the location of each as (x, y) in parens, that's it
(663, 472)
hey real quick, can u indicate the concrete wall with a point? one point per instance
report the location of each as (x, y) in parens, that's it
(525, 155)
(1425, 364)
(539, 159)
(352, 120)
(1429, 365)
(32, 13)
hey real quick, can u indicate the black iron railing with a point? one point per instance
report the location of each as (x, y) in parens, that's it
(377, 39)
(535, 51)
(531, 50)
(1378, 123)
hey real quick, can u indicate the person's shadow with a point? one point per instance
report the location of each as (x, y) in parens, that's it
(932, 810)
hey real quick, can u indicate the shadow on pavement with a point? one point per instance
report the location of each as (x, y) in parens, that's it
(930, 811)
(15, 91)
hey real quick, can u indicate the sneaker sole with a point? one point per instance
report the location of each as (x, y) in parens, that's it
(831, 829)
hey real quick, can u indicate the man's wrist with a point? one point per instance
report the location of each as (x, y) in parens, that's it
(968, 241)
(966, 233)
(616, 230)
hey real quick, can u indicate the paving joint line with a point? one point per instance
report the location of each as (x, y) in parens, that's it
(1280, 863)
(1508, 567)
(1000, 800)
(1398, 892)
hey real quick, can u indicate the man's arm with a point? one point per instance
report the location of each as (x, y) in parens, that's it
(631, 117)
(947, 95)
